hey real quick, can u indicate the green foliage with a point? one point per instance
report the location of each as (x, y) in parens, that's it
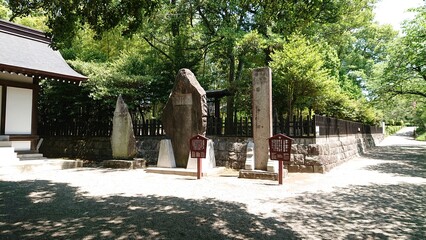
(108, 80)
(369, 47)
(421, 136)
(391, 130)
(64, 17)
(404, 73)
(420, 116)
(420, 133)
(4, 10)
(301, 79)
(326, 56)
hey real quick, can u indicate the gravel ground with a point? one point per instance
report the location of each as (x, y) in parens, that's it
(380, 195)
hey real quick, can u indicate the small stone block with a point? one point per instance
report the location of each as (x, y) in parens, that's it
(127, 164)
(319, 169)
(263, 175)
(139, 163)
(117, 164)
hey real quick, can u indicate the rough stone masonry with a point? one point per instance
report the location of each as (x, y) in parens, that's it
(185, 114)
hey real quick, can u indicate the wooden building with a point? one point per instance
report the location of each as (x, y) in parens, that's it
(25, 58)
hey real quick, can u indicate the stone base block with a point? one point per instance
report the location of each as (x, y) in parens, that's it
(319, 169)
(272, 166)
(183, 171)
(128, 164)
(166, 158)
(39, 166)
(300, 168)
(264, 175)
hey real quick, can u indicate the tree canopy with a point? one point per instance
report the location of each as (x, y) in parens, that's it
(327, 56)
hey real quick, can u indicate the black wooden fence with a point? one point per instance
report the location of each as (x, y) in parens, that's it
(298, 127)
(327, 126)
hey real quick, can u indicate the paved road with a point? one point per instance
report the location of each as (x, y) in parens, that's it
(378, 196)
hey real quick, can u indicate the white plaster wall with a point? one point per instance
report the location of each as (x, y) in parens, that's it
(1, 92)
(18, 110)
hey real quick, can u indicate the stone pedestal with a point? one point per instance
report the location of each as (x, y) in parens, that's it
(166, 158)
(127, 164)
(272, 166)
(259, 174)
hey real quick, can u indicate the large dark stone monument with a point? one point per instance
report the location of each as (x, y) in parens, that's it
(185, 114)
(123, 142)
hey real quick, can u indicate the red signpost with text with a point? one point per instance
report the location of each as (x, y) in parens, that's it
(198, 146)
(280, 149)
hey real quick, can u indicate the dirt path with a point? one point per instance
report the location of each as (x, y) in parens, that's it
(378, 196)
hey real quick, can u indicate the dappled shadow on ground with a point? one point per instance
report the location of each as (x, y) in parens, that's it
(43, 210)
(400, 160)
(358, 212)
(376, 211)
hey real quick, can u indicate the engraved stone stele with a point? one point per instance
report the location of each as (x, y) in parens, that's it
(185, 114)
(123, 142)
(262, 116)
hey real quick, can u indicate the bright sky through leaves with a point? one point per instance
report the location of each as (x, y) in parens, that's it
(394, 12)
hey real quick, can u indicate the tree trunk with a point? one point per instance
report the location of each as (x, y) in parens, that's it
(229, 128)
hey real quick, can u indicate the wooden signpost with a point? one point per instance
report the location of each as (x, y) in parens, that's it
(280, 149)
(198, 146)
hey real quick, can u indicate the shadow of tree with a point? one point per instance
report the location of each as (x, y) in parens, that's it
(359, 212)
(401, 160)
(43, 209)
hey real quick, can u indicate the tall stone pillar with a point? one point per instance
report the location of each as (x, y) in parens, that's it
(262, 115)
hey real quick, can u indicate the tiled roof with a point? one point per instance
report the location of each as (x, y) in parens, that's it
(27, 51)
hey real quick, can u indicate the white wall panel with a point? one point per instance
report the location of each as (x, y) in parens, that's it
(19, 104)
(1, 92)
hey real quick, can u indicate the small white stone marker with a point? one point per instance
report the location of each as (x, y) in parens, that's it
(249, 165)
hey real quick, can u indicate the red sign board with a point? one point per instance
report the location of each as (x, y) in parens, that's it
(280, 147)
(198, 146)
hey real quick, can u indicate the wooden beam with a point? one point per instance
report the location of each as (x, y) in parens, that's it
(3, 109)
(34, 120)
(17, 84)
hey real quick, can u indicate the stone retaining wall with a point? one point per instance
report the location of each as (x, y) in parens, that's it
(230, 151)
(308, 155)
(328, 152)
(93, 148)
(96, 148)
